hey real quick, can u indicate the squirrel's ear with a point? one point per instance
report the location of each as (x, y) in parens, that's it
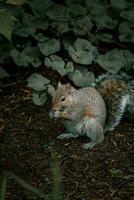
(68, 85)
(69, 88)
(59, 84)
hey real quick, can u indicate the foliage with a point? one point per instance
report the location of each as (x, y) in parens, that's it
(6, 28)
(34, 31)
(82, 52)
(3, 73)
(82, 77)
(59, 65)
(41, 88)
(28, 56)
(116, 59)
(56, 184)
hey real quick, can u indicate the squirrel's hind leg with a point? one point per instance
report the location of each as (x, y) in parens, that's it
(91, 127)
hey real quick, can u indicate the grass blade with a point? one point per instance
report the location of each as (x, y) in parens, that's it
(3, 188)
(26, 185)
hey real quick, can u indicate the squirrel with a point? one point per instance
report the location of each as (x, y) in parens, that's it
(93, 111)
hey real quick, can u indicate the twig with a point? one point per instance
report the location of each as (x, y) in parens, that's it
(119, 187)
(12, 84)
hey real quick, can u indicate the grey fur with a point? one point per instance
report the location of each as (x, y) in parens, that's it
(77, 122)
(92, 112)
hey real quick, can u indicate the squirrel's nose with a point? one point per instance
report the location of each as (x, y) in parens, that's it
(54, 113)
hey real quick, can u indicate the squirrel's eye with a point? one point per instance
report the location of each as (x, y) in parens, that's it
(62, 98)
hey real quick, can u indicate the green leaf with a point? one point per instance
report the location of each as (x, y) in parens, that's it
(39, 6)
(128, 14)
(61, 27)
(69, 67)
(3, 73)
(76, 10)
(105, 21)
(49, 47)
(82, 52)
(29, 56)
(38, 82)
(66, 43)
(35, 21)
(99, 9)
(82, 25)
(116, 59)
(40, 37)
(30, 24)
(126, 31)
(7, 22)
(70, 2)
(4, 53)
(16, 2)
(24, 31)
(39, 99)
(120, 4)
(56, 63)
(51, 90)
(20, 58)
(82, 78)
(58, 12)
(105, 37)
(111, 61)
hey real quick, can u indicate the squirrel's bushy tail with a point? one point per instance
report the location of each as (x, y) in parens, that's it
(120, 76)
(129, 113)
(117, 91)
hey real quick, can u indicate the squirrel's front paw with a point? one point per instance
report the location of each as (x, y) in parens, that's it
(66, 136)
(89, 145)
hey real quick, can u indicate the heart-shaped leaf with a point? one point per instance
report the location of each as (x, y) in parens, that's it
(116, 59)
(120, 4)
(29, 56)
(105, 21)
(128, 14)
(69, 67)
(82, 25)
(82, 78)
(39, 6)
(58, 12)
(61, 27)
(38, 82)
(39, 99)
(7, 22)
(49, 47)
(105, 37)
(51, 90)
(126, 30)
(76, 10)
(40, 37)
(56, 63)
(82, 52)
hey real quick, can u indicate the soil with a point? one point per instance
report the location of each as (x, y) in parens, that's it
(28, 146)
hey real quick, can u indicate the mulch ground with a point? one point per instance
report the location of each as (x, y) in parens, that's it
(28, 144)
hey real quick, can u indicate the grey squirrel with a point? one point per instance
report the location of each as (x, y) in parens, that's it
(92, 111)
